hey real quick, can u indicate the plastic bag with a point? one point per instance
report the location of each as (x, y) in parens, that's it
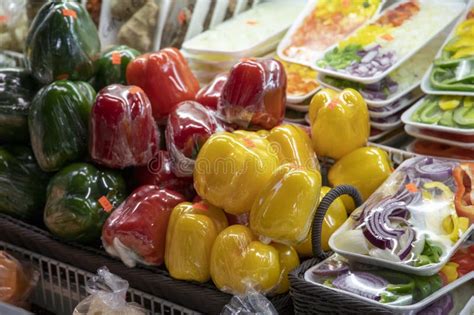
(13, 24)
(16, 280)
(107, 296)
(177, 22)
(250, 304)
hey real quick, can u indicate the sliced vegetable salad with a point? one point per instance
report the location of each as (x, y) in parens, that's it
(301, 80)
(415, 217)
(454, 69)
(394, 36)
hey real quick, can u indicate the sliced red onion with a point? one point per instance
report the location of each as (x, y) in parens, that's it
(331, 267)
(361, 283)
(441, 306)
(437, 171)
(406, 248)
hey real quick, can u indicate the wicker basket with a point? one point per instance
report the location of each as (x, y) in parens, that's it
(201, 297)
(311, 299)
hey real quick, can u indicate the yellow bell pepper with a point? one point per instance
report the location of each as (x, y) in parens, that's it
(288, 261)
(293, 145)
(455, 226)
(191, 232)
(450, 271)
(339, 122)
(231, 169)
(334, 218)
(284, 209)
(239, 262)
(365, 168)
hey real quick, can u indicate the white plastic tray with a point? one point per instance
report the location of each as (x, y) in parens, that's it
(384, 126)
(380, 135)
(301, 98)
(425, 82)
(404, 103)
(397, 309)
(286, 41)
(406, 118)
(415, 132)
(298, 108)
(443, 23)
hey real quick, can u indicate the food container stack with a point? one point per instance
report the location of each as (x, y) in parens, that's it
(443, 121)
(252, 33)
(386, 58)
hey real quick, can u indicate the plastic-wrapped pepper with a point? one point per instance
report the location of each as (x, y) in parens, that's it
(189, 125)
(22, 183)
(62, 43)
(209, 95)
(364, 168)
(254, 95)
(284, 208)
(17, 89)
(232, 168)
(159, 172)
(464, 199)
(239, 262)
(192, 230)
(112, 66)
(293, 145)
(79, 200)
(123, 131)
(59, 123)
(136, 231)
(166, 79)
(339, 122)
(334, 218)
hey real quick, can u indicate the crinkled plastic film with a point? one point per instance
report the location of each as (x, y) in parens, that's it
(136, 230)
(251, 303)
(209, 95)
(123, 131)
(107, 296)
(415, 218)
(13, 24)
(177, 22)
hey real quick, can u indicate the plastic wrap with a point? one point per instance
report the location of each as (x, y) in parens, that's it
(209, 95)
(112, 66)
(192, 230)
(414, 221)
(80, 197)
(177, 22)
(11, 59)
(460, 301)
(123, 131)
(13, 24)
(16, 280)
(284, 208)
(339, 122)
(254, 96)
(62, 43)
(108, 294)
(188, 128)
(454, 69)
(159, 172)
(17, 89)
(22, 183)
(251, 303)
(232, 168)
(166, 79)
(240, 263)
(59, 123)
(94, 7)
(136, 230)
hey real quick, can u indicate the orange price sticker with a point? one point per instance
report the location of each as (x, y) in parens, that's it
(3, 18)
(411, 187)
(69, 12)
(105, 203)
(248, 143)
(201, 206)
(333, 104)
(63, 76)
(251, 22)
(135, 89)
(116, 58)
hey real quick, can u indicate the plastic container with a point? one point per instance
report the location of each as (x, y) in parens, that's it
(448, 11)
(406, 119)
(312, 53)
(403, 225)
(298, 107)
(391, 109)
(429, 148)
(417, 133)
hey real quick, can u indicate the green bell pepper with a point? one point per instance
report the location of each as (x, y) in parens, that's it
(62, 43)
(17, 89)
(455, 75)
(429, 112)
(22, 183)
(112, 66)
(73, 211)
(464, 117)
(425, 286)
(59, 123)
(447, 119)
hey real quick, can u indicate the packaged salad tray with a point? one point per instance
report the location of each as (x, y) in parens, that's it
(379, 47)
(452, 72)
(415, 221)
(398, 292)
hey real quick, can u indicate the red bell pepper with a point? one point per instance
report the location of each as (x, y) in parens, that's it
(464, 257)
(464, 199)
(189, 126)
(122, 131)
(136, 230)
(209, 95)
(254, 96)
(158, 172)
(165, 77)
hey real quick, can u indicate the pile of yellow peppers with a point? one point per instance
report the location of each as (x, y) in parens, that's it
(274, 177)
